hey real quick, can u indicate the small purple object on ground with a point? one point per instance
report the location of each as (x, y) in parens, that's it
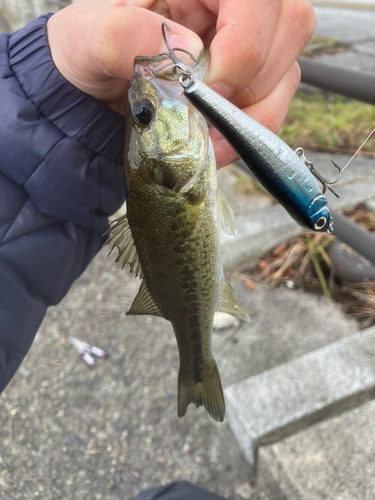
(85, 350)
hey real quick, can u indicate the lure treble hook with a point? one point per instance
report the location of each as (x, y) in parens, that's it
(180, 71)
(170, 52)
(301, 153)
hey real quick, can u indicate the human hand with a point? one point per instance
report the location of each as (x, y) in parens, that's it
(253, 44)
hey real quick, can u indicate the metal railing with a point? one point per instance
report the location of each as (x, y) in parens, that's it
(357, 85)
(350, 83)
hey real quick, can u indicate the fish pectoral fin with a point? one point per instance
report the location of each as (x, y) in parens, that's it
(187, 216)
(121, 237)
(144, 303)
(228, 302)
(225, 214)
(207, 392)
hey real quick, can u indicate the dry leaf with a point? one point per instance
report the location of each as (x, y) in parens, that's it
(249, 284)
(280, 249)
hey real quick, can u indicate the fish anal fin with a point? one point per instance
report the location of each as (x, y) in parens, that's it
(229, 303)
(225, 214)
(122, 239)
(186, 219)
(144, 303)
(207, 392)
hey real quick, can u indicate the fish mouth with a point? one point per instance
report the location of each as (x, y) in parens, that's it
(154, 76)
(154, 67)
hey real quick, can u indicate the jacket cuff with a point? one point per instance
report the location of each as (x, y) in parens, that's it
(99, 129)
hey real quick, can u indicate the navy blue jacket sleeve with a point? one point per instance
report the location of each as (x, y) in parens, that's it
(61, 154)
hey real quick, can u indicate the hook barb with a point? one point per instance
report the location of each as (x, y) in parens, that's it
(338, 177)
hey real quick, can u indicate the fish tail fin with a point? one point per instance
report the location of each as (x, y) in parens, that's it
(208, 392)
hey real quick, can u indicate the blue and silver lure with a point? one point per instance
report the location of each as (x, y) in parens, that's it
(278, 168)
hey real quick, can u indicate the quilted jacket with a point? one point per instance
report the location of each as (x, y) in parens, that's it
(61, 154)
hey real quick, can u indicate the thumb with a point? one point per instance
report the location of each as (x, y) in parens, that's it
(129, 32)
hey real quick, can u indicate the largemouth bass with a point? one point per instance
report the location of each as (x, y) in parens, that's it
(170, 235)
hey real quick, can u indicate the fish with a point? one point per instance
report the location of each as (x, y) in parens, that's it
(170, 234)
(274, 164)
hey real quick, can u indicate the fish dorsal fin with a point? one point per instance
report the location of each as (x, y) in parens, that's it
(225, 214)
(144, 303)
(229, 303)
(121, 237)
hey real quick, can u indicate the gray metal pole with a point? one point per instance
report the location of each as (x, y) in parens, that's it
(356, 84)
(354, 235)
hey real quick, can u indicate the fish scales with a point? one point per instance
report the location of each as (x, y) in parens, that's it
(180, 272)
(172, 212)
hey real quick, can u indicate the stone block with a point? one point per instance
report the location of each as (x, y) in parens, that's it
(288, 398)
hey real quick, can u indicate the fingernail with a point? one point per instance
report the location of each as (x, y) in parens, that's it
(191, 44)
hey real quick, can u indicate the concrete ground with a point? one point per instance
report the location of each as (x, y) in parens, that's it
(75, 433)
(71, 432)
(4, 27)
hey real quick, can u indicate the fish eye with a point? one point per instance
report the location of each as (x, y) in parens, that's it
(320, 224)
(143, 111)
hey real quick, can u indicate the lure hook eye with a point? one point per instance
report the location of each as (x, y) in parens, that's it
(183, 75)
(180, 71)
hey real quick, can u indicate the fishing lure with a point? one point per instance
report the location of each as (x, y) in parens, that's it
(277, 167)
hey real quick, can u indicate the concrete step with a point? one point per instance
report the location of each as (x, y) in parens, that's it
(289, 398)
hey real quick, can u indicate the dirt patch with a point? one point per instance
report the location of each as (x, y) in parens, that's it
(325, 45)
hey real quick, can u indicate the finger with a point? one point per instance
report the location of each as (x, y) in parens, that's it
(119, 40)
(294, 29)
(240, 48)
(270, 112)
(192, 14)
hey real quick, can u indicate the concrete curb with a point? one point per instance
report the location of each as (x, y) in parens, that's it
(290, 397)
